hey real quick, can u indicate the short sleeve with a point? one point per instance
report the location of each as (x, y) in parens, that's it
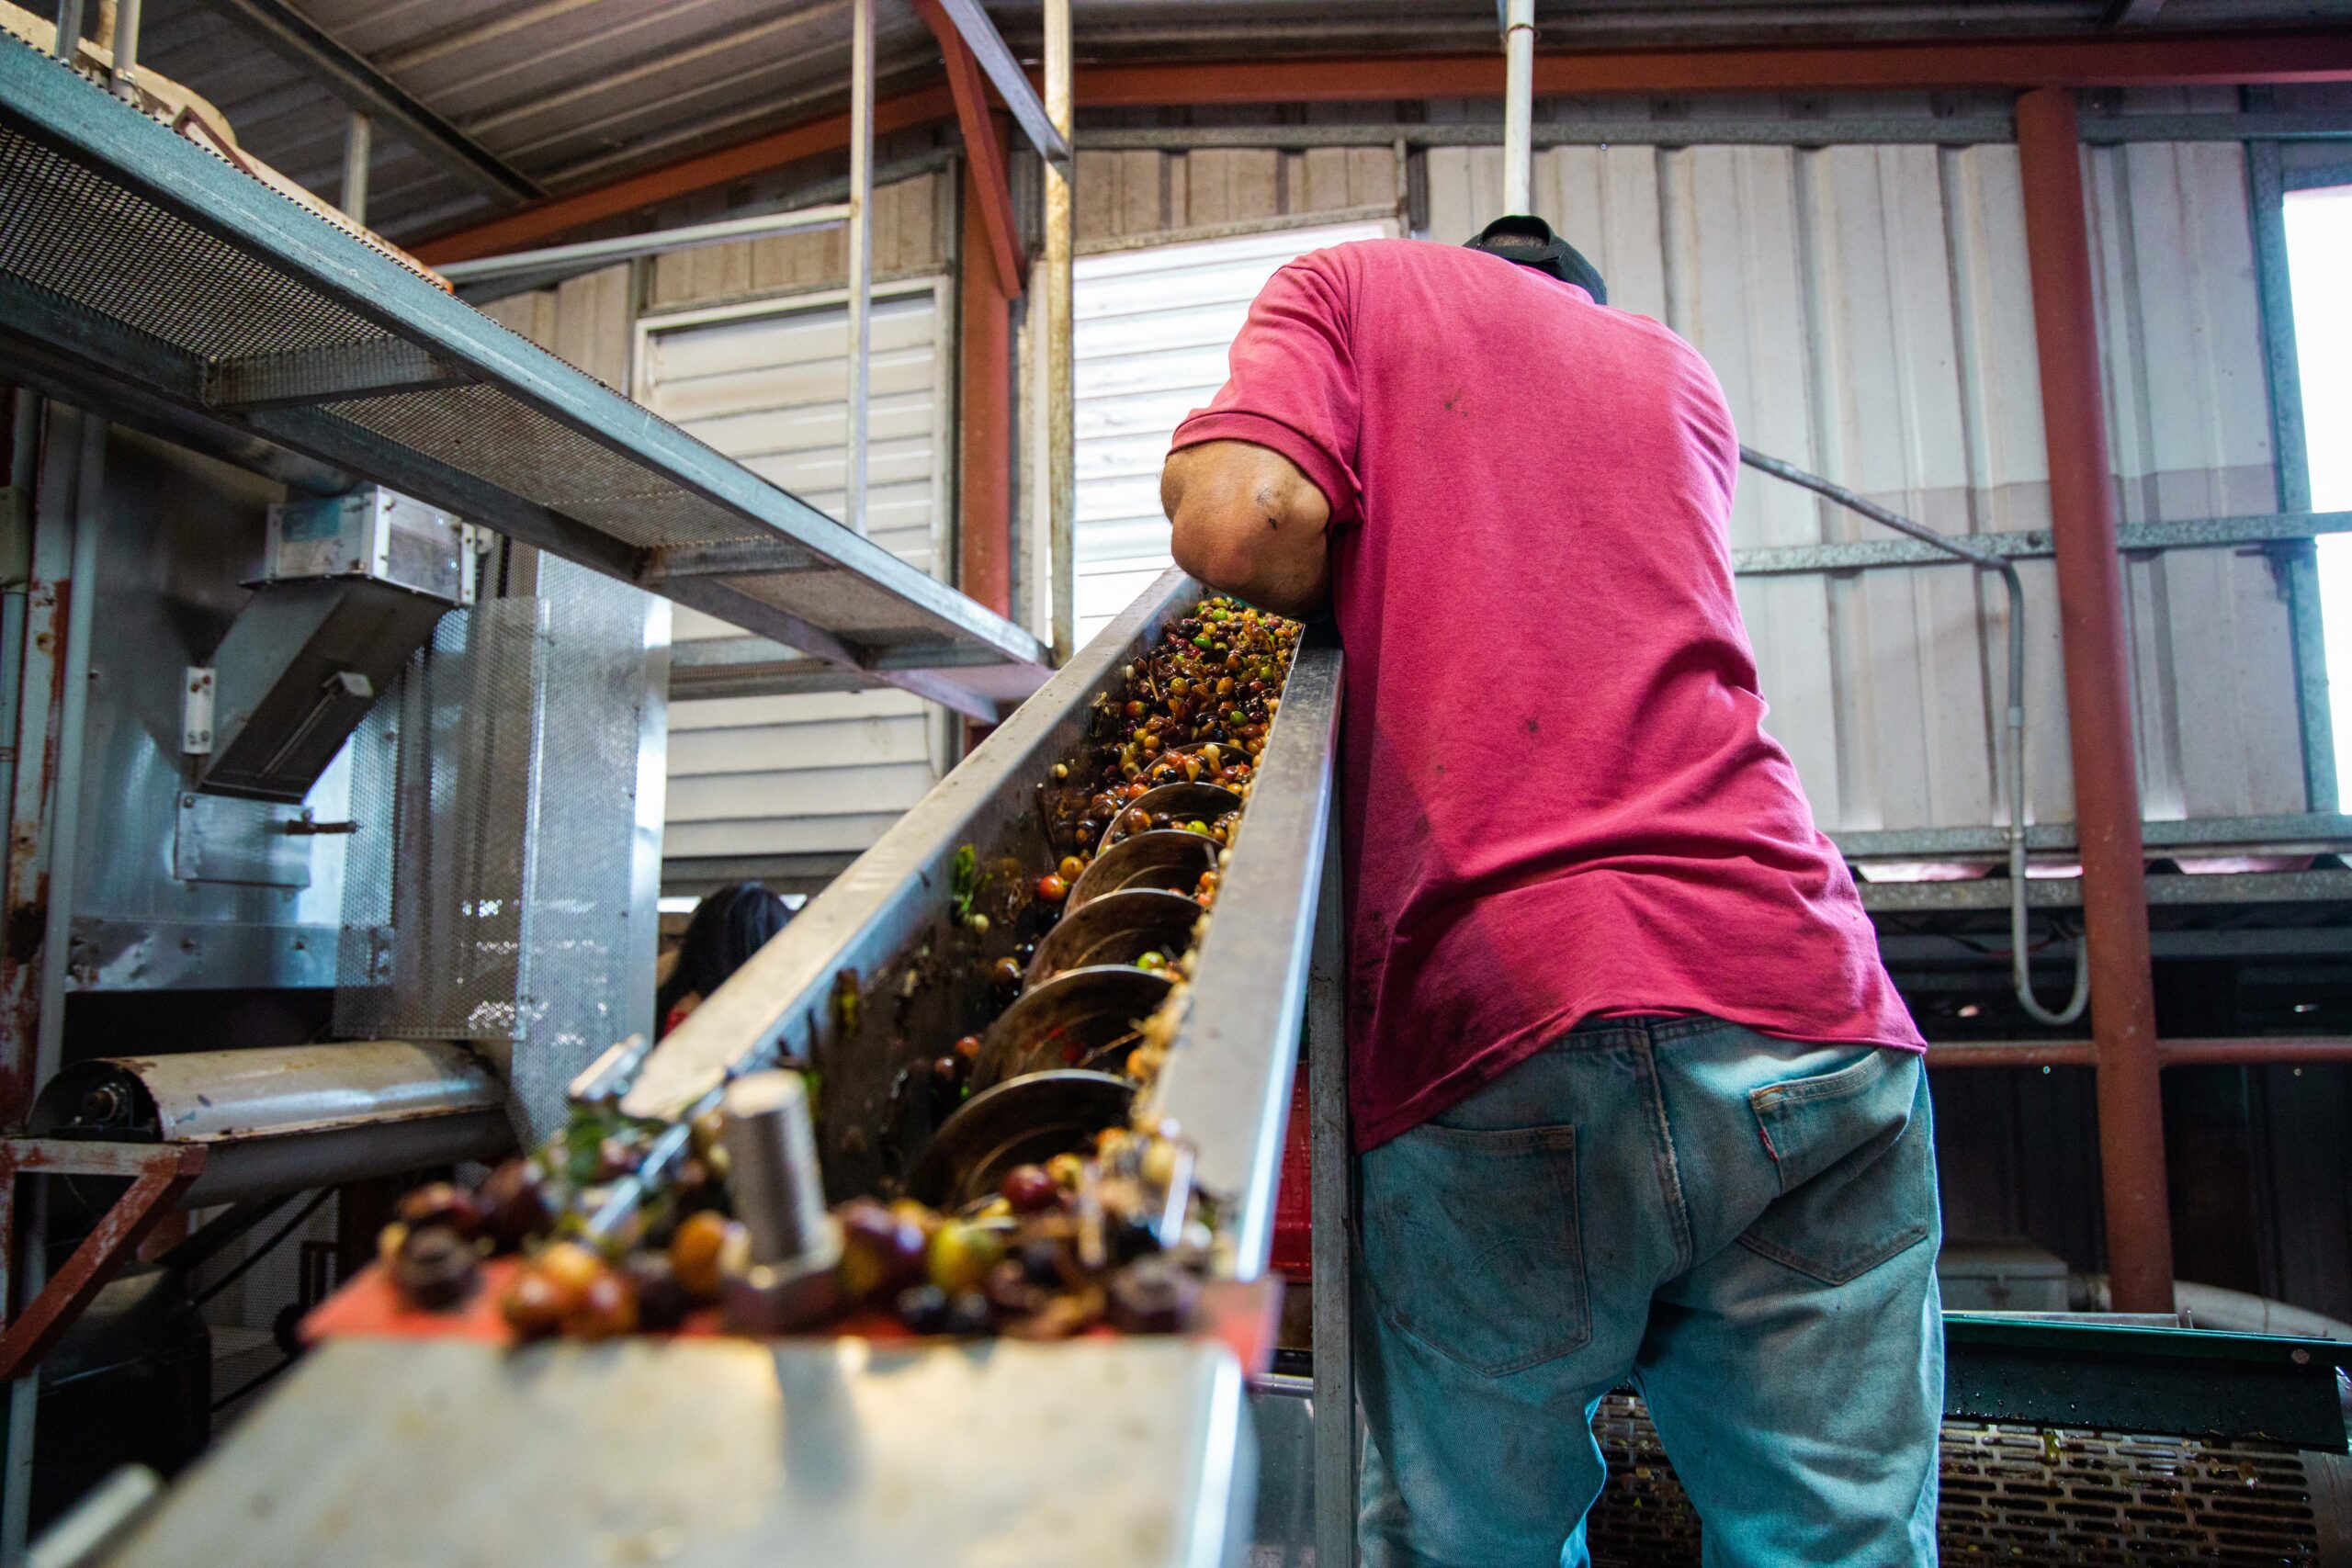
(1293, 384)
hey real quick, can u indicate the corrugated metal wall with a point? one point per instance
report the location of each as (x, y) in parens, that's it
(1867, 309)
(1150, 328)
(1123, 195)
(765, 777)
(745, 345)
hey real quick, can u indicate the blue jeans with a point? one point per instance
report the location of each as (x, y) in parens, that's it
(1744, 1228)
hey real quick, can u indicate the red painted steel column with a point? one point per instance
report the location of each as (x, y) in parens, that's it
(984, 440)
(2098, 706)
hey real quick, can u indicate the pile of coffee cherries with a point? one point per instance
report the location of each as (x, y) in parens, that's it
(1084, 1239)
(1062, 1248)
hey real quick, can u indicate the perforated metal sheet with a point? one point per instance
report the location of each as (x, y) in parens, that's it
(119, 255)
(583, 974)
(134, 260)
(501, 905)
(441, 788)
(2021, 1494)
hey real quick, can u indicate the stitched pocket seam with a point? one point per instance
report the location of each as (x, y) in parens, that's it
(1846, 1080)
(1829, 1274)
(1505, 1141)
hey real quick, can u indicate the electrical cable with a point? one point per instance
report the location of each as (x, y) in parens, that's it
(1984, 558)
(265, 1249)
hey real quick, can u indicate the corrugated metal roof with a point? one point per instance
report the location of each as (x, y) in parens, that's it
(572, 93)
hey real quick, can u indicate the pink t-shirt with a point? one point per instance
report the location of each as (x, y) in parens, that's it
(1558, 798)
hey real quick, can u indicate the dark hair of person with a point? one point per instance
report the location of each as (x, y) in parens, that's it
(727, 927)
(1528, 240)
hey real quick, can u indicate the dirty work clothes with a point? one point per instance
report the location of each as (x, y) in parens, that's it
(1745, 1226)
(1558, 796)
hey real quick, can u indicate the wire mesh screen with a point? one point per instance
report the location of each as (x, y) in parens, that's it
(502, 904)
(2018, 1495)
(585, 975)
(433, 904)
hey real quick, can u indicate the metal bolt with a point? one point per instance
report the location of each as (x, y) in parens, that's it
(783, 1280)
(772, 1155)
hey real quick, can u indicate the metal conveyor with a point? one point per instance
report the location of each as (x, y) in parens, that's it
(1123, 1450)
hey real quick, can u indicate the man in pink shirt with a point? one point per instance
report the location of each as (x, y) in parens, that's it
(1633, 1096)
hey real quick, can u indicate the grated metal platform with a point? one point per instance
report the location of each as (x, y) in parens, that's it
(154, 281)
(2035, 1495)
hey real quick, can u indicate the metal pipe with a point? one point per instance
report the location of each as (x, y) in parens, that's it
(291, 1118)
(126, 50)
(2099, 702)
(69, 29)
(1061, 473)
(1518, 94)
(358, 152)
(861, 254)
(629, 247)
(1986, 558)
(1332, 1216)
(2255, 1052)
(2010, 1053)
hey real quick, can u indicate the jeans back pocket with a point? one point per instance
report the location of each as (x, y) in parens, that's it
(1473, 1247)
(1857, 1165)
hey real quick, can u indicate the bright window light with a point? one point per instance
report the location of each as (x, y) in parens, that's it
(2319, 263)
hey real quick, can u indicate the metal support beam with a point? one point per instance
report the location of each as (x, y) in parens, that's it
(2073, 893)
(126, 18)
(1973, 129)
(2099, 704)
(1519, 97)
(2255, 1052)
(733, 557)
(1054, 344)
(1331, 1234)
(1049, 134)
(2093, 60)
(988, 192)
(706, 171)
(861, 256)
(2168, 58)
(70, 21)
(350, 77)
(302, 376)
(359, 158)
(985, 395)
(629, 247)
(160, 1172)
(2035, 544)
(2266, 194)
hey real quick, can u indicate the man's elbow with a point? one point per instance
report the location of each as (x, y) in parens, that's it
(1210, 554)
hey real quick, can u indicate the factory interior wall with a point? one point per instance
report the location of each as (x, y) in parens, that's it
(1867, 312)
(745, 346)
(1150, 328)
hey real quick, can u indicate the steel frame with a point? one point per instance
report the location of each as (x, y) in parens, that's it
(2289, 527)
(2304, 55)
(985, 185)
(2316, 832)
(1968, 129)
(2099, 713)
(368, 91)
(160, 1173)
(80, 354)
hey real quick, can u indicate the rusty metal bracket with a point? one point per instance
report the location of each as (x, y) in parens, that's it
(160, 1173)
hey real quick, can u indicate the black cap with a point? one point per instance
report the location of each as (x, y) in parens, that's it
(1530, 242)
